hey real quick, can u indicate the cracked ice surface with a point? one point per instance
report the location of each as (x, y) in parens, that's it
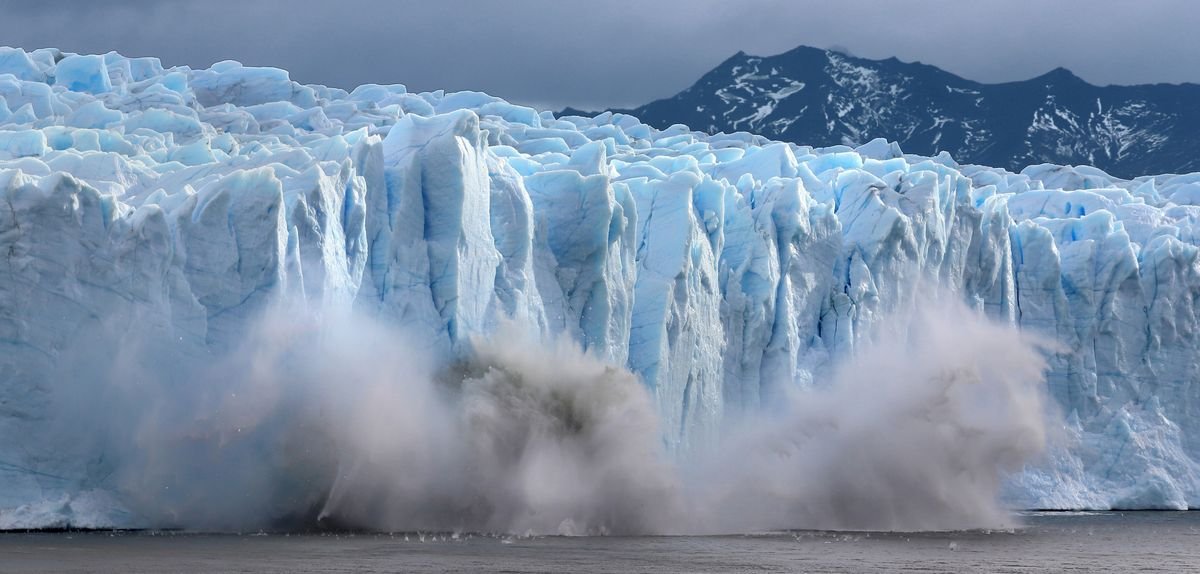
(721, 269)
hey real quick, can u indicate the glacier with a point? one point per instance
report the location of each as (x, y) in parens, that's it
(171, 206)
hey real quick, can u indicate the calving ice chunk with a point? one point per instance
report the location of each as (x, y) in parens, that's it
(150, 217)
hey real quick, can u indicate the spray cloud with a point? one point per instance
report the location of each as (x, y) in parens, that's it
(342, 421)
(915, 432)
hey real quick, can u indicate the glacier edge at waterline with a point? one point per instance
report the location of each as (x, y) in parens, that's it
(158, 212)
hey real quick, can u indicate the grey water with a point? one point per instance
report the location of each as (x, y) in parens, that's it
(1047, 542)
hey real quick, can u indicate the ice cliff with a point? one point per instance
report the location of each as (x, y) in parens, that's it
(172, 205)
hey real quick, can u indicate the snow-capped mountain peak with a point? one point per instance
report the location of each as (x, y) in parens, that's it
(823, 97)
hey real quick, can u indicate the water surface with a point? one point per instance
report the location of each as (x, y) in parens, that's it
(1049, 542)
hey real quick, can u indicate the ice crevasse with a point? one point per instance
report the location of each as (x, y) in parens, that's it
(721, 269)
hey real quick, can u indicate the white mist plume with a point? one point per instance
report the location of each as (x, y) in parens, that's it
(340, 421)
(915, 432)
(532, 438)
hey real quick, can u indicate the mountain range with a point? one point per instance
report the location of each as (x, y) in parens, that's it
(818, 97)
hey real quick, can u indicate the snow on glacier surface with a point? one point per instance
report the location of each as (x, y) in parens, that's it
(170, 206)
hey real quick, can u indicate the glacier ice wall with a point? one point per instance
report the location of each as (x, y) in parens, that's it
(151, 207)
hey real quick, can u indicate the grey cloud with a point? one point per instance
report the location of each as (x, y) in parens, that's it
(616, 52)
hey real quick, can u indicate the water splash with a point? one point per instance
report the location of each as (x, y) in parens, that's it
(916, 432)
(343, 422)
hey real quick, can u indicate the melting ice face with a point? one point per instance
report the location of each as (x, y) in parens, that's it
(342, 421)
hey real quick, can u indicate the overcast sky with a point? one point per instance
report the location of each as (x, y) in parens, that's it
(602, 53)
